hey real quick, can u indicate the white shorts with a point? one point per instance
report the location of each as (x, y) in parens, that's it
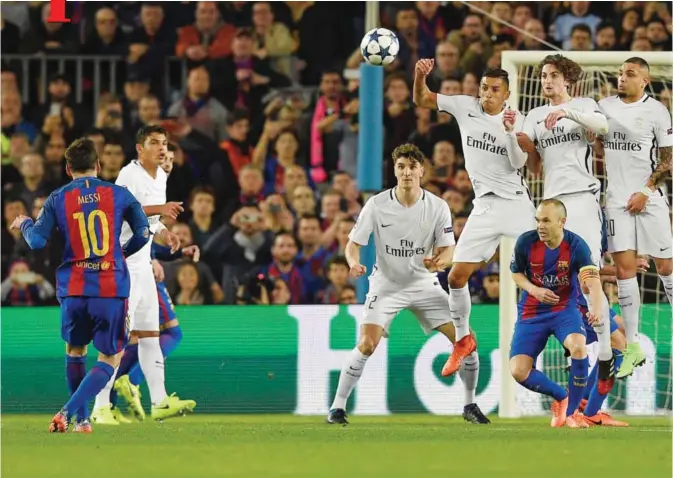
(647, 233)
(143, 300)
(491, 218)
(426, 299)
(585, 219)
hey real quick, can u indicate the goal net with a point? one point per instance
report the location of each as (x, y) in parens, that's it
(649, 390)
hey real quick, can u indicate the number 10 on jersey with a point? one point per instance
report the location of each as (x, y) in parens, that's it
(87, 233)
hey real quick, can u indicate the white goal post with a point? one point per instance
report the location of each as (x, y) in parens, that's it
(512, 62)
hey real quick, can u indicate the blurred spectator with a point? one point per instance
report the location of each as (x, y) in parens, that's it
(461, 181)
(446, 66)
(578, 14)
(470, 85)
(19, 146)
(536, 32)
(630, 21)
(237, 148)
(606, 37)
(641, 44)
(522, 15)
(337, 279)
(8, 81)
(180, 184)
(33, 185)
(325, 142)
(348, 125)
(208, 38)
(277, 216)
(658, 36)
(54, 160)
(489, 291)
(473, 44)
(107, 38)
(459, 221)
(112, 161)
(312, 257)
(243, 78)
(188, 288)
(237, 248)
(294, 177)
(343, 230)
(501, 11)
(60, 103)
(10, 37)
(136, 87)
(11, 116)
(24, 287)
(202, 207)
(284, 266)
(580, 38)
(332, 210)
(149, 110)
(344, 184)
(11, 209)
(431, 26)
(203, 112)
(98, 137)
(273, 40)
(286, 155)
(250, 183)
(49, 38)
(348, 295)
(413, 44)
(399, 118)
(455, 199)
(303, 201)
(443, 161)
(151, 42)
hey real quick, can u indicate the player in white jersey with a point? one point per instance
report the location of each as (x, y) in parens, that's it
(146, 180)
(559, 134)
(502, 206)
(414, 238)
(637, 209)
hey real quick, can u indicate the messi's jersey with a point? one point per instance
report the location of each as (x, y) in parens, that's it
(553, 269)
(89, 214)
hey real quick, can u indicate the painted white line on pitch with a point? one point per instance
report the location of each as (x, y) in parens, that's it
(636, 429)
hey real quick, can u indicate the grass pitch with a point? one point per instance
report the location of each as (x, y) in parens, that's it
(269, 446)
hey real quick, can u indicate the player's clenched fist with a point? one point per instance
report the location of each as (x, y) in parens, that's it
(553, 118)
(424, 67)
(18, 220)
(545, 296)
(172, 209)
(509, 119)
(594, 319)
(357, 270)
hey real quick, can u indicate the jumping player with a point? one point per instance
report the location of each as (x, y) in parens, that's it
(93, 279)
(414, 238)
(546, 265)
(557, 134)
(145, 179)
(493, 159)
(637, 209)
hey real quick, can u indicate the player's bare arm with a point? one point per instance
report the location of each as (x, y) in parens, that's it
(171, 209)
(423, 97)
(545, 296)
(441, 260)
(590, 279)
(517, 156)
(595, 121)
(353, 257)
(638, 200)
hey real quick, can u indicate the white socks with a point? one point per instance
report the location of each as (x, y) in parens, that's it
(103, 397)
(460, 304)
(350, 374)
(152, 364)
(629, 302)
(668, 286)
(469, 374)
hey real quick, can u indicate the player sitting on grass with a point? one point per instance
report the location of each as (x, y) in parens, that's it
(546, 265)
(93, 280)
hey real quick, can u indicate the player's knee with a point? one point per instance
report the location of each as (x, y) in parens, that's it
(75, 350)
(367, 345)
(577, 348)
(664, 266)
(458, 277)
(519, 370)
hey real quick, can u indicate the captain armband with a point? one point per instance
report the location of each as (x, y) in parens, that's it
(589, 272)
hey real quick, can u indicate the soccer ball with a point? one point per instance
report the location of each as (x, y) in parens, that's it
(379, 47)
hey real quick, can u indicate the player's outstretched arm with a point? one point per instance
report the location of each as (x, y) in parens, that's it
(594, 121)
(353, 257)
(37, 234)
(516, 155)
(423, 97)
(140, 227)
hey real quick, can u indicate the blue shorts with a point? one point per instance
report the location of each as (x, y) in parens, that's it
(591, 333)
(103, 320)
(166, 308)
(530, 336)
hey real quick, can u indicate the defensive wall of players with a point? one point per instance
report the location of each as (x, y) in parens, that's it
(287, 360)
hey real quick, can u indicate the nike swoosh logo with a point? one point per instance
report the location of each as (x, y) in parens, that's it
(165, 407)
(471, 115)
(354, 369)
(662, 250)
(386, 225)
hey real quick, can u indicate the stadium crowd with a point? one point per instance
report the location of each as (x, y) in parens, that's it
(264, 126)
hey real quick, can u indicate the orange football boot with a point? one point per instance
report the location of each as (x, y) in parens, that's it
(461, 349)
(605, 419)
(59, 424)
(558, 412)
(577, 420)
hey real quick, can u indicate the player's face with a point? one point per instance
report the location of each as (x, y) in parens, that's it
(632, 80)
(154, 149)
(549, 222)
(553, 82)
(493, 93)
(167, 164)
(408, 173)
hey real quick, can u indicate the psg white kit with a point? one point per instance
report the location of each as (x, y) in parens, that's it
(143, 305)
(568, 169)
(403, 237)
(502, 204)
(635, 131)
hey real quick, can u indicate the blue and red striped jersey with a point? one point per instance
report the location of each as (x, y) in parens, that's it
(553, 269)
(89, 214)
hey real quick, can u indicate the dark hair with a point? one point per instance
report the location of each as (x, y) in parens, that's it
(244, 33)
(308, 217)
(409, 151)
(284, 233)
(81, 156)
(638, 61)
(461, 215)
(201, 190)
(146, 131)
(497, 73)
(570, 70)
(113, 142)
(580, 27)
(347, 287)
(173, 148)
(604, 25)
(340, 171)
(656, 20)
(238, 114)
(94, 132)
(337, 261)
